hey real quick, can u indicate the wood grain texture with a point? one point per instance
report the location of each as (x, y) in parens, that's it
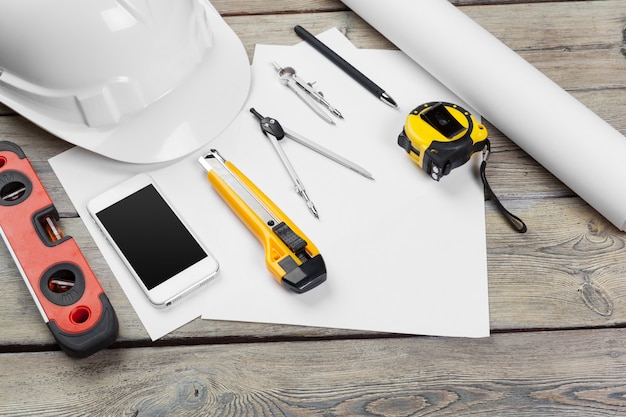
(570, 263)
(518, 374)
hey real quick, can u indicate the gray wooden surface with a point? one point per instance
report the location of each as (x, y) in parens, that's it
(557, 294)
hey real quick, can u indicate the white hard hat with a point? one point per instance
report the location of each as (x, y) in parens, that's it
(138, 81)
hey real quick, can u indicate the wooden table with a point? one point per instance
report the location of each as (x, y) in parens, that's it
(557, 293)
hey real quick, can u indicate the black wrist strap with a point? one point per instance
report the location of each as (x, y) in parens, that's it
(516, 223)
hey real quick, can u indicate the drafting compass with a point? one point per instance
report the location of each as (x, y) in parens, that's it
(275, 132)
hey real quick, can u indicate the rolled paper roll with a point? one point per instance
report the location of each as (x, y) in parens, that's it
(559, 132)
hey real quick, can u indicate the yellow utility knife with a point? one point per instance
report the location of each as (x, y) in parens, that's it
(289, 255)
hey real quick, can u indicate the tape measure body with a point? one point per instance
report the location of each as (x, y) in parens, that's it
(441, 136)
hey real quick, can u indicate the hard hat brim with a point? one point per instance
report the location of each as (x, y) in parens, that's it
(177, 124)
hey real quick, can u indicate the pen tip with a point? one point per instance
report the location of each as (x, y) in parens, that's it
(388, 100)
(314, 211)
(365, 173)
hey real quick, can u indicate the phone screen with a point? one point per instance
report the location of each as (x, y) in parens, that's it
(150, 235)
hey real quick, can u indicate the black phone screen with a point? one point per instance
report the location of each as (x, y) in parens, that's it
(150, 235)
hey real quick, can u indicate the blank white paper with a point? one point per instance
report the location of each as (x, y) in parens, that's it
(404, 253)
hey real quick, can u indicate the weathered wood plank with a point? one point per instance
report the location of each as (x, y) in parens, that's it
(566, 26)
(519, 374)
(238, 7)
(556, 37)
(242, 7)
(566, 271)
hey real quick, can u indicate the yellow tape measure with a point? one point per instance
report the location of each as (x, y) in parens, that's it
(441, 136)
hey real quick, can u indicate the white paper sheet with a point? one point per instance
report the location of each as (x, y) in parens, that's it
(404, 253)
(533, 111)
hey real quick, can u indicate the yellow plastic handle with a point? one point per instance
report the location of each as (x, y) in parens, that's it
(275, 249)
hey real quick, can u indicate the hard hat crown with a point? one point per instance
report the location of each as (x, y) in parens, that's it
(139, 81)
(98, 61)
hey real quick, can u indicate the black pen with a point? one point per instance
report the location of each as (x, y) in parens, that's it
(344, 65)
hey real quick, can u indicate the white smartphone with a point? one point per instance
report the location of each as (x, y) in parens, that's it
(161, 252)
